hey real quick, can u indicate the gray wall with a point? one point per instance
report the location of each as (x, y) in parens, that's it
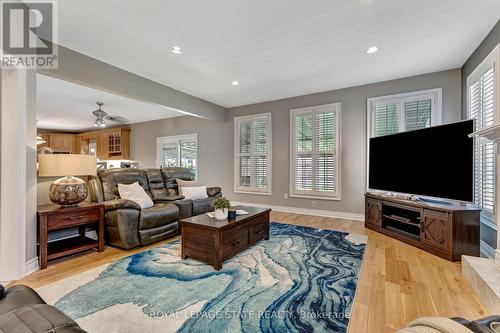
(215, 140)
(488, 235)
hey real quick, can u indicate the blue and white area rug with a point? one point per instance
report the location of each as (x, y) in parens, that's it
(301, 280)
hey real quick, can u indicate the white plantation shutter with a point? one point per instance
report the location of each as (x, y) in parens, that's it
(170, 154)
(178, 151)
(253, 154)
(315, 148)
(188, 154)
(385, 119)
(418, 114)
(403, 112)
(481, 107)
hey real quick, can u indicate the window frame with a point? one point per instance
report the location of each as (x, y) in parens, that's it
(253, 189)
(177, 139)
(436, 114)
(313, 194)
(492, 60)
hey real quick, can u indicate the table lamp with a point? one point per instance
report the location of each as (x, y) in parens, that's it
(68, 190)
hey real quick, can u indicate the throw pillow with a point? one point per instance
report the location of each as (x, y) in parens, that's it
(186, 183)
(193, 193)
(2, 291)
(134, 192)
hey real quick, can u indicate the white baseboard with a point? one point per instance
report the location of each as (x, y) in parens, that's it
(487, 250)
(31, 266)
(306, 211)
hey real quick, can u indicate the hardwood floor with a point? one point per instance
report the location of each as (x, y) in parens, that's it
(398, 282)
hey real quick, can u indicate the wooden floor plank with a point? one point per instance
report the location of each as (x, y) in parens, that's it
(397, 283)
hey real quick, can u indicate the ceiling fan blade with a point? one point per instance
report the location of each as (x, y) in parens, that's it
(117, 119)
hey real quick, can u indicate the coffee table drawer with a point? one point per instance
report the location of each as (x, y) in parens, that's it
(234, 247)
(259, 231)
(65, 220)
(231, 235)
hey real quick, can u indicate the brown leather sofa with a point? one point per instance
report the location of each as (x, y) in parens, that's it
(128, 226)
(23, 310)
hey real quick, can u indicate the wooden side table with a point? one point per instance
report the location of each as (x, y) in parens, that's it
(54, 217)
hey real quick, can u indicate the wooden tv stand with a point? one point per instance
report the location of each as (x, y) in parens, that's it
(448, 231)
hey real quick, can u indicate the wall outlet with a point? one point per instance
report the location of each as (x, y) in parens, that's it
(285, 195)
(313, 203)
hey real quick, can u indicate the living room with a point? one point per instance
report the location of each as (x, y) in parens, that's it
(218, 167)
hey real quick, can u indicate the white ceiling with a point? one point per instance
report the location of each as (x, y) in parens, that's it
(65, 106)
(277, 48)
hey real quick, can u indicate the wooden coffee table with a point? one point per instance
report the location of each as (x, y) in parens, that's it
(212, 241)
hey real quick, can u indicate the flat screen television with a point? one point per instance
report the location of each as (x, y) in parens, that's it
(432, 162)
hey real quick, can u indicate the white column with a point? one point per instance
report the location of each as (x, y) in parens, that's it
(17, 172)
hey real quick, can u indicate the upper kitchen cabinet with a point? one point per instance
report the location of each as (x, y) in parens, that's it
(108, 144)
(61, 143)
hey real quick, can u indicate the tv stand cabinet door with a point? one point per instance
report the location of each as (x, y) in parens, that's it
(373, 212)
(436, 228)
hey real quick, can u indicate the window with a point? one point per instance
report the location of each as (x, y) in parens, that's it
(403, 112)
(252, 151)
(482, 105)
(178, 151)
(315, 152)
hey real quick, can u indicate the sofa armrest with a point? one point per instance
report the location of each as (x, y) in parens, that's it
(169, 198)
(119, 204)
(213, 191)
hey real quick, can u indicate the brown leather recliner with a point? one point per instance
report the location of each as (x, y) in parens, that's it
(128, 226)
(23, 310)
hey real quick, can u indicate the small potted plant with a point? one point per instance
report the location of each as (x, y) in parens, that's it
(221, 206)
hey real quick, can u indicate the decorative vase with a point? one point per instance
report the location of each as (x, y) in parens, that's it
(68, 191)
(221, 214)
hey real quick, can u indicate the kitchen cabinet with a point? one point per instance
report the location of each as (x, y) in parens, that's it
(61, 143)
(111, 144)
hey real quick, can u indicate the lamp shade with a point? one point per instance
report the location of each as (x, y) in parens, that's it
(59, 165)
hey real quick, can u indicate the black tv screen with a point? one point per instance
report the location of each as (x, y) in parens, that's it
(435, 162)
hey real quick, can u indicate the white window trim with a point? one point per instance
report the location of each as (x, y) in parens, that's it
(493, 59)
(314, 194)
(436, 117)
(176, 139)
(248, 189)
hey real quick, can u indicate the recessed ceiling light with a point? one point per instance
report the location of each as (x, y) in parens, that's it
(176, 49)
(372, 49)
(235, 83)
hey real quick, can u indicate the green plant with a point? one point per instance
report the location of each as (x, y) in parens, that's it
(221, 203)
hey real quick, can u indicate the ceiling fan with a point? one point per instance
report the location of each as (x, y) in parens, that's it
(102, 117)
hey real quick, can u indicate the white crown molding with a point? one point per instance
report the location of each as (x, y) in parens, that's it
(306, 211)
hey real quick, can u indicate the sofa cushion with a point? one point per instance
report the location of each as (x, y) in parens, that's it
(170, 175)
(156, 184)
(158, 215)
(112, 177)
(194, 193)
(134, 192)
(186, 183)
